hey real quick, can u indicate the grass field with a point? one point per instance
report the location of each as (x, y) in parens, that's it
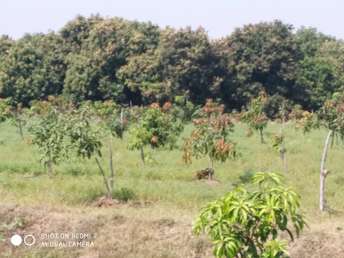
(157, 223)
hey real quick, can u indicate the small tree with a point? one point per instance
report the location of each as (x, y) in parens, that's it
(15, 113)
(18, 118)
(58, 135)
(115, 123)
(278, 142)
(49, 134)
(248, 224)
(211, 136)
(50, 129)
(156, 128)
(184, 108)
(113, 117)
(85, 142)
(255, 116)
(331, 116)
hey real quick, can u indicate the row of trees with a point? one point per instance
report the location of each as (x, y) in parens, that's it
(132, 62)
(242, 223)
(59, 128)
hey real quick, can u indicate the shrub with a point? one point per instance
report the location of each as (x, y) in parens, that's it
(124, 194)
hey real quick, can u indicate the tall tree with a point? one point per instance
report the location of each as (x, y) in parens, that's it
(259, 57)
(104, 48)
(319, 70)
(5, 44)
(33, 68)
(75, 32)
(183, 64)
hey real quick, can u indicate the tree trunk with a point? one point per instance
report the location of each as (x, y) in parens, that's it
(20, 125)
(122, 118)
(283, 150)
(284, 159)
(50, 168)
(106, 183)
(142, 155)
(323, 171)
(261, 136)
(211, 165)
(112, 172)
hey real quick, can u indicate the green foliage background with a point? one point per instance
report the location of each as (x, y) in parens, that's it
(95, 58)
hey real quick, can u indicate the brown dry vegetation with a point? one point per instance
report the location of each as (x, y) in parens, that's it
(138, 230)
(137, 234)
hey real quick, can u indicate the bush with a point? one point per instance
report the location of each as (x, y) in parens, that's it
(124, 194)
(245, 178)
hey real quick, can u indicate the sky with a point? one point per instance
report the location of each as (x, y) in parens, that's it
(218, 17)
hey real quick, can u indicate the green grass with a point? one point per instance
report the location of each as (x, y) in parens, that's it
(167, 180)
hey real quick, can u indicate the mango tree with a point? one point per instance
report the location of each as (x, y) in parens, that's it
(15, 113)
(115, 124)
(113, 117)
(247, 223)
(184, 108)
(210, 137)
(58, 135)
(156, 128)
(331, 117)
(255, 116)
(279, 141)
(49, 135)
(18, 118)
(85, 142)
(50, 128)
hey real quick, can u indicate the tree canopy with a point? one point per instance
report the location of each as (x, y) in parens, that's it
(96, 58)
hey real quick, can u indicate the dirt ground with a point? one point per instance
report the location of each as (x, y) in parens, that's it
(130, 231)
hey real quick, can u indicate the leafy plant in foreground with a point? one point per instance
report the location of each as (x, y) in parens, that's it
(248, 223)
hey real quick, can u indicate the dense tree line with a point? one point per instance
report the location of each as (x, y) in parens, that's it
(134, 62)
